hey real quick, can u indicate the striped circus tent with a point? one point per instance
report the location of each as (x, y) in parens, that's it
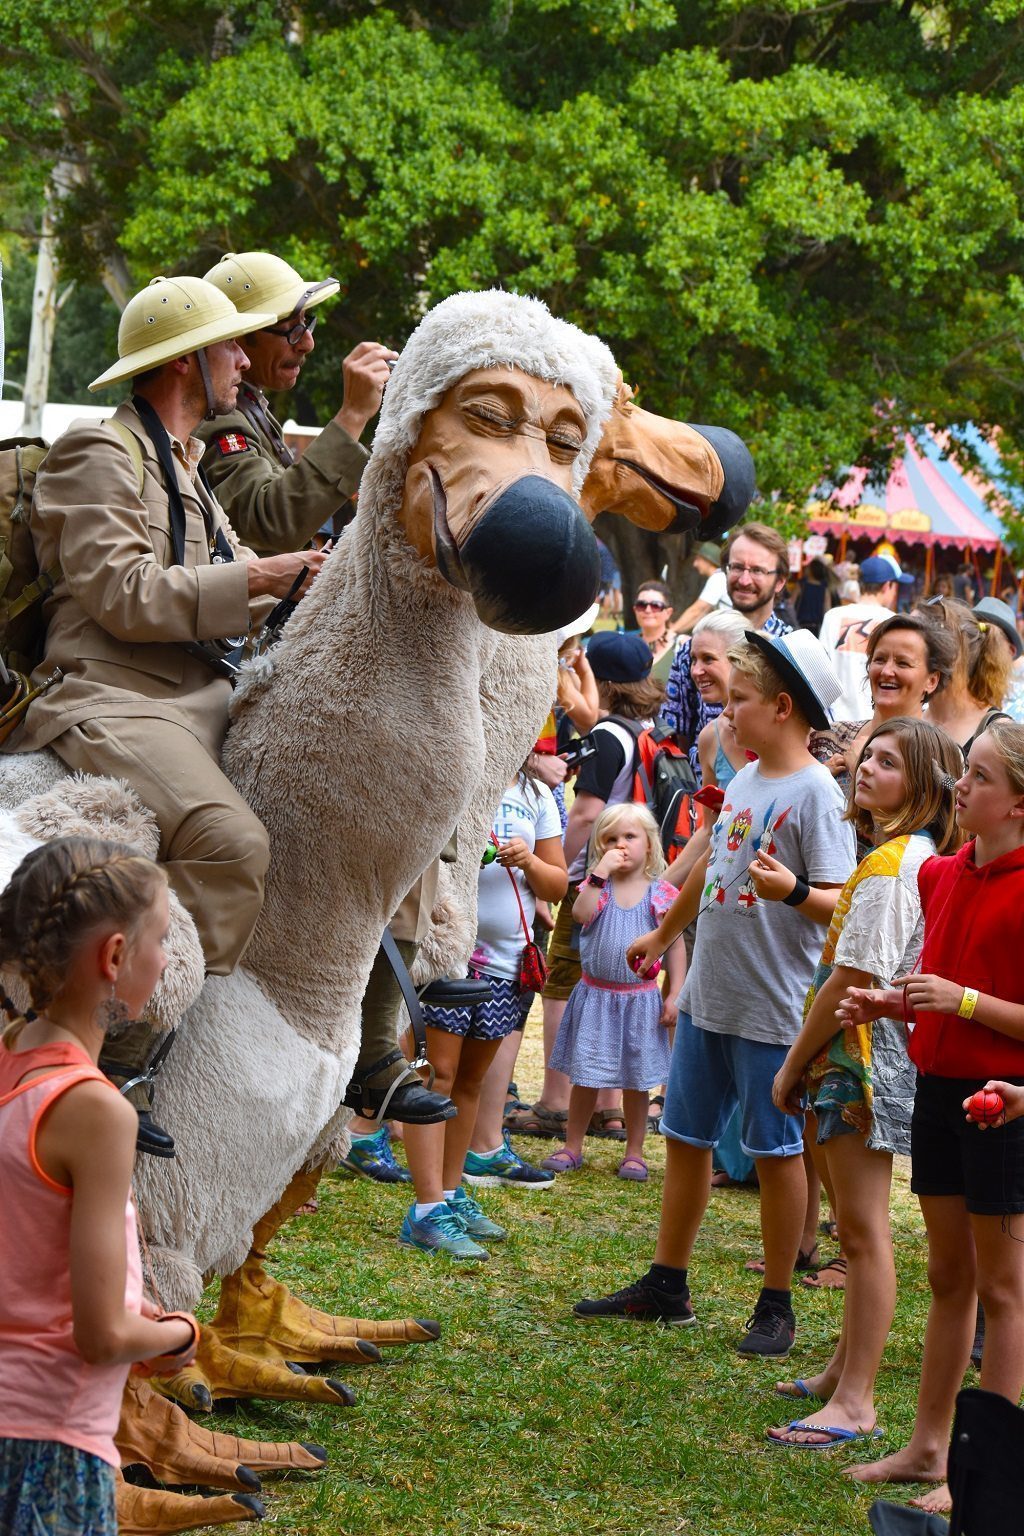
(928, 498)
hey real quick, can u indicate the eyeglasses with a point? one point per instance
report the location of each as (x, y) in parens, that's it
(750, 570)
(651, 607)
(293, 334)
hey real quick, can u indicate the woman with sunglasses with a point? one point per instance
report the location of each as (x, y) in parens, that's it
(652, 609)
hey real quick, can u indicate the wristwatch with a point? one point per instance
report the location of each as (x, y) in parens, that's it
(599, 880)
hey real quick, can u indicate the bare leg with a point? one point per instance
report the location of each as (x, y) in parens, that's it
(425, 1144)
(491, 1108)
(809, 1235)
(555, 1092)
(947, 1347)
(783, 1204)
(635, 1107)
(684, 1199)
(474, 1061)
(581, 1107)
(861, 1181)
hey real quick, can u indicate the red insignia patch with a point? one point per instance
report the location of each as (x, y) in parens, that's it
(233, 442)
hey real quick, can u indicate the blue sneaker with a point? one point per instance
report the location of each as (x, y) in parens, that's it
(372, 1156)
(440, 1231)
(505, 1167)
(472, 1219)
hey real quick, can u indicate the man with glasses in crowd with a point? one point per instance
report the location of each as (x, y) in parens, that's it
(756, 564)
(276, 501)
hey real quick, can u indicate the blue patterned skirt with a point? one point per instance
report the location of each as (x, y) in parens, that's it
(50, 1489)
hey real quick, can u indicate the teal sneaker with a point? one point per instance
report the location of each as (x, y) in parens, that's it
(472, 1219)
(505, 1167)
(440, 1231)
(372, 1156)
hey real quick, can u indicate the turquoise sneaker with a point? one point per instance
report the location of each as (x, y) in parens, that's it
(472, 1219)
(440, 1231)
(505, 1167)
(372, 1156)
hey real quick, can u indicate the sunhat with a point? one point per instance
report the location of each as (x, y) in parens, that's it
(257, 280)
(619, 658)
(806, 668)
(992, 610)
(170, 318)
(709, 552)
(876, 570)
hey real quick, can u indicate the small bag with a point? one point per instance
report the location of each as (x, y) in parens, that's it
(533, 968)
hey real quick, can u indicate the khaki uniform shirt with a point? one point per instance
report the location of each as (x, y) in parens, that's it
(275, 503)
(122, 611)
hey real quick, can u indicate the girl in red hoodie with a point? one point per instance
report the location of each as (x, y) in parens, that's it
(965, 1010)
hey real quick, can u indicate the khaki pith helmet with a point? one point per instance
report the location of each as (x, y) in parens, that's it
(170, 318)
(256, 280)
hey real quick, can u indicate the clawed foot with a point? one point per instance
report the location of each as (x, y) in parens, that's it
(149, 1511)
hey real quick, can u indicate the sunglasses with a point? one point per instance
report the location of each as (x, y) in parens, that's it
(651, 607)
(293, 334)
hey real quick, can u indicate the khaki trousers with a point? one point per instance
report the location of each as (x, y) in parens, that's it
(215, 850)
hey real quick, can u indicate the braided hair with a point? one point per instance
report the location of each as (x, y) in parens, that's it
(58, 894)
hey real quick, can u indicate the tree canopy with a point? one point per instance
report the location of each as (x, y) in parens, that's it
(800, 220)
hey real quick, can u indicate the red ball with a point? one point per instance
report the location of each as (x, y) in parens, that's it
(651, 971)
(986, 1108)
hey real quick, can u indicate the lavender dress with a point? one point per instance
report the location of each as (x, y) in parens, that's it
(610, 1036)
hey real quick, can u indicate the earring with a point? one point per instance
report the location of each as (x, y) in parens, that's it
(113, 1014)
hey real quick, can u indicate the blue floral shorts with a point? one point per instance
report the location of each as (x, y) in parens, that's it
(50, 1489)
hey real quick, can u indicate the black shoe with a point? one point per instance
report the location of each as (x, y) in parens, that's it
(770, 1330)
(408, 1102)
(642, 1301)
(152, 1138)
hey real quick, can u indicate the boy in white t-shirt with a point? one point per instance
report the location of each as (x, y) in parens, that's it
(845, 632)
(779, 855)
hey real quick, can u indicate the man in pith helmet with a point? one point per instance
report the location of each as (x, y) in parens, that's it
(154, 594)
(274, 500)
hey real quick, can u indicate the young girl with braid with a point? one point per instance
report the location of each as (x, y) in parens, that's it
(83, 922)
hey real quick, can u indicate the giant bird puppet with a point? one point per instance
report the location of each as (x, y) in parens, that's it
(406, 691)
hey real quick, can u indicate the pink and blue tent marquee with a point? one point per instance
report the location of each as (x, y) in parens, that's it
(927, 499)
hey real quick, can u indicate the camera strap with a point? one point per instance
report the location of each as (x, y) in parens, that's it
(221, 552)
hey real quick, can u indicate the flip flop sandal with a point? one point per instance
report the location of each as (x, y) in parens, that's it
(830, 1277)
(601, 1121)
(836, 1436)
(633, 1168)
(800, 1389)
(805, 1262)
(537, 1120)
(562, 1162)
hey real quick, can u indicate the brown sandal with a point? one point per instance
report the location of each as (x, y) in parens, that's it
(602, 1121)
(804, 1262)
(537, 1120)
(830, 1277)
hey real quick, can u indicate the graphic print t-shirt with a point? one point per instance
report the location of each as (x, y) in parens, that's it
(528, 812)
(753, 960)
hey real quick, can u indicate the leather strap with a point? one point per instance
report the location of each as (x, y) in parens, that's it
(252, 408)
(401, 974)
(220, 550)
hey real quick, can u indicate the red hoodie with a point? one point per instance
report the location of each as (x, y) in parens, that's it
(973, 935)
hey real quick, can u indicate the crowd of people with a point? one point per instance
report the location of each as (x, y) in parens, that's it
(844, 914)
(812, 967)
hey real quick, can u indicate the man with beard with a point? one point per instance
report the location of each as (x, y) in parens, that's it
(755, 561)
(275, 500)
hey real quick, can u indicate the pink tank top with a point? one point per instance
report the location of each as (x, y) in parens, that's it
(47, 1391)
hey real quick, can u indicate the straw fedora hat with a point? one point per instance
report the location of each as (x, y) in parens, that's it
(256, 280)
(170, 318)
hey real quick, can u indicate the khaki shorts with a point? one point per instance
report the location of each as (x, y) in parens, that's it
(563, 954)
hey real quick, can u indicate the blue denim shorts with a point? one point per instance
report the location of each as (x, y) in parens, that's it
(712, 1074)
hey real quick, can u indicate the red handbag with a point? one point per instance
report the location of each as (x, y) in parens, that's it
(533, 968)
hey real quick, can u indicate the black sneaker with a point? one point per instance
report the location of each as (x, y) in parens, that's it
(770, 1331)
(643, 1301)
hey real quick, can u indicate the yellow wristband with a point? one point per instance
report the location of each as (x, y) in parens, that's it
(968, 1003)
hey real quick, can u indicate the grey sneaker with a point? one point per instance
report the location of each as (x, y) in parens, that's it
(472, 1219)
(440, 1231)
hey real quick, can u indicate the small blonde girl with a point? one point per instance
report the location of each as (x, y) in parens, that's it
(614, 1033)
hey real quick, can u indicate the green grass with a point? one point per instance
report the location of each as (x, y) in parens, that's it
(523, 1420)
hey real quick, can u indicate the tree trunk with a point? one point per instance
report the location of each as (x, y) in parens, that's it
(44, 316)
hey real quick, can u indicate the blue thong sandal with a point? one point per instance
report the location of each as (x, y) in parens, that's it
(800, 1389)
(836, 1436)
